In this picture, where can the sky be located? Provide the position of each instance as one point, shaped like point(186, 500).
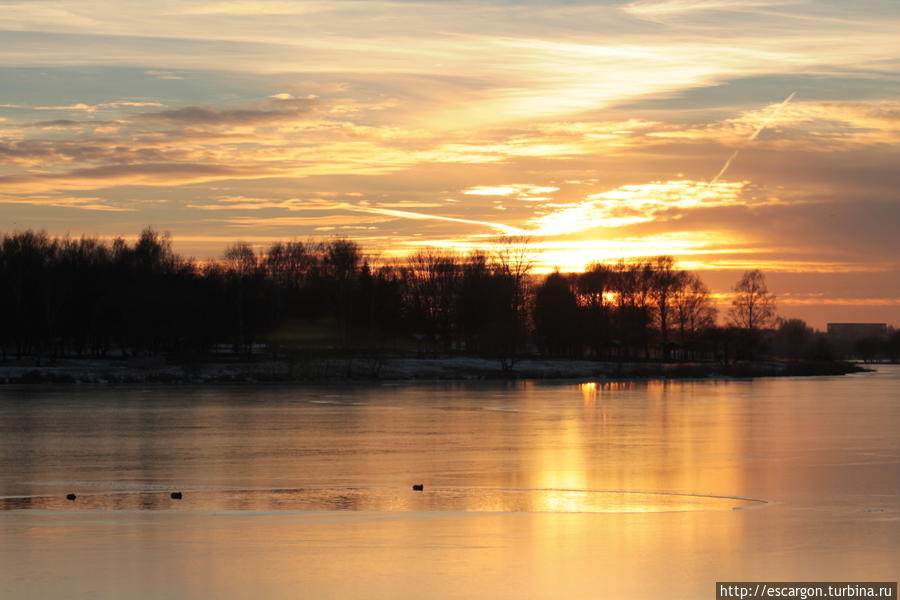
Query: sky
point(731, 134)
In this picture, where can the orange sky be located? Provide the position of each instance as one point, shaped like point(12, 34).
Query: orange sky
point(732, 134)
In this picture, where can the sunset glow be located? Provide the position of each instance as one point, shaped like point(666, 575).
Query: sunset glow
point(731, 134)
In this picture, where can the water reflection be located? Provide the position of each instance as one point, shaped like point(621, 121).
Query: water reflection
point(386, 499)
point(306, 492)
point(562, 446)
point(589, 393)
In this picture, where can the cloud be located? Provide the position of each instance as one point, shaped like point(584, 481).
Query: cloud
point(320, 221)
point(231, 203)
point(812, 126)
point(297, 138)
point(819, 299)
point(667, 8)
point(509, 190)
point(278, 110)
point(80, 203)
point(632, 204)
point(90, 108)
point(484, 63)
point(126, 174)
point(417, 216)
point(66, 123)
point(164, 75)
point(58, 123)
point(84, 150)
point(248, 8)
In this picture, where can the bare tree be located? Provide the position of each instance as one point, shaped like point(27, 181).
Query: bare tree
point(288, 262)
point(694, 310)
point(515, 255)
point(241, 268)
point(433, 278)
point(667, 280)
point(595, 290)
point(515, 258)
point(634, 281)
point(595, 284)
point(240, 259)
point(753, 306)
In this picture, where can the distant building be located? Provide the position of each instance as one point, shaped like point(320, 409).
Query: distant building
point(851, 332)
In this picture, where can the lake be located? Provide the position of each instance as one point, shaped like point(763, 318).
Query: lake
point(575, 490)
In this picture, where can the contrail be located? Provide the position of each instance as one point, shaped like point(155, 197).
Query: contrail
point(756, 133)
point(772, 116)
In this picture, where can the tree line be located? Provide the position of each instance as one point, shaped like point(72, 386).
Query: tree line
point(88, 297)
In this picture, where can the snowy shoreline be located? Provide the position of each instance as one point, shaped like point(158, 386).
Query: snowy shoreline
point(91, 371)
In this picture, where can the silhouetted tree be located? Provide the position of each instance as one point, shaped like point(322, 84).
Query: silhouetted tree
point(477, 307)
point(241, 271)
point(667, 281)
point(753, 306)
point(792, 338)
point(693, 308)
point(63, 296)
point(556, 316)
point(634, 310)
point(892, 347)
point(433, 278)
point(513, 261)
point(869, 349)
point(595, 288)
point(693, 311)
point(752, 310)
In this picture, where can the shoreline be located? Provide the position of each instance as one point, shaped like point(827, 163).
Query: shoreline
point(142, 372)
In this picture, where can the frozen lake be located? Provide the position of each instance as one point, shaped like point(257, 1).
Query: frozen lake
point(532, 489)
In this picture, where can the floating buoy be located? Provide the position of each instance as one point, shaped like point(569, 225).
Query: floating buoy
point(418, 487)
point(176, 495)
point(71, 496)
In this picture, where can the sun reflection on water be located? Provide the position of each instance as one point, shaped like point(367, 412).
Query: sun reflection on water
point(589, 393)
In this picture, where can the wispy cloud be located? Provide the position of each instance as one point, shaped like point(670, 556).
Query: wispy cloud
point(164, 75)
point(80, 203)
point(516, 189)
point(279, 109)
point(632, 204)
point(91, 108)
point(666, 8)
point(417, 216)
point(249, 8)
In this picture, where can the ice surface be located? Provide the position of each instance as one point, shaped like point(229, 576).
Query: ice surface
point(621, 490)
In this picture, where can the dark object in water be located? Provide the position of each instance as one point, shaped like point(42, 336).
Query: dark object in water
point(418, 487)
point(176, 495)
point(71, 496)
